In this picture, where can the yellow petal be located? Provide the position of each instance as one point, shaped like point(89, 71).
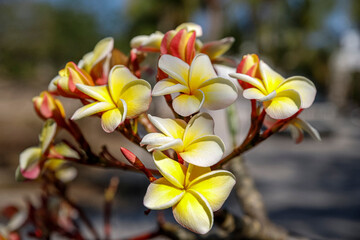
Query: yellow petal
point(215, 186)
point(100, 93)
point(186, 105)
point(119, 76)
point(47, 134)
point(199, 125)
point(204, 151)
point(65, 150)
point(175, 68)
point(91, 109)
point(303, 86)
point(270, 78)
point(173, 171)
point(101, 50)
point(201, 70)
point(194, 172)
point(254, 93)
point(252, 81)
point(137, 95)
point(111, 119)
point(284, 105)
point(194, 212)
point(219, 93)
point(161, 194)
point(170, 127)
point(168, 86)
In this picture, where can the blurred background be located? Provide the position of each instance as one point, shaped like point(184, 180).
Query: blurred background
point(312, 189)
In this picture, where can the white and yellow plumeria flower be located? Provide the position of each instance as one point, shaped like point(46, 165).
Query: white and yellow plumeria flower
point(281, 97)
point(195, 142)
point(124, 97)
point(193, 192)
point(197, 84)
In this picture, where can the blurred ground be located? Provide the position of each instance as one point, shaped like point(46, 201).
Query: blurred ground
point(312, 189)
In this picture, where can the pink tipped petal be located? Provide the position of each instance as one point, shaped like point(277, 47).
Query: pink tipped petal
point(168, 86)
point(100, 93)
point(186, 105)
point(303, 86)
point(297, 134)
point(219, 93)
point(110, 120)
point(201, 70)
point(31, 173)
point(161, 194)
point(204, 152)
point(200, 125)
point(91, 109)
point(175, 68)
point(137, 95)
point(29, 158)
point(171, 128)
point(308, 128)
point(173, 171)
point(286, 104)
point(215, 186)
point(194, 212)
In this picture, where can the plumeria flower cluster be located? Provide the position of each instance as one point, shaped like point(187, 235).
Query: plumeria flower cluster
point(47, 157)
point(186, 151)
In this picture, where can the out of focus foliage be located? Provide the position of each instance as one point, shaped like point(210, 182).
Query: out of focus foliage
point(298, 36)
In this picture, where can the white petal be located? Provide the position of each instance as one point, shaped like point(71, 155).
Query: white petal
point(204, 152)
point(175, 68)
point(303, 86)
point(168, 86)
point(219, 93)
point(91, 109)
point(199, 125)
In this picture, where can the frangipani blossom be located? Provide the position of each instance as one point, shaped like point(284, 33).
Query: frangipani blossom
point(195, 142)
point(197, 84)
point(281, 97)
point(46, 106)
point(297, 127)
point(68, 77)
point(194, 193)
point(124, 97)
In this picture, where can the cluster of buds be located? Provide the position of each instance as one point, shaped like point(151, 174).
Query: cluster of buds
point(187, 153)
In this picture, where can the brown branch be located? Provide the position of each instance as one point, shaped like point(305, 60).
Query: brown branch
point(109, 198)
